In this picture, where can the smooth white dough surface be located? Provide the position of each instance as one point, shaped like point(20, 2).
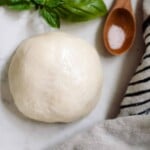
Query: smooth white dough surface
point(55, 77)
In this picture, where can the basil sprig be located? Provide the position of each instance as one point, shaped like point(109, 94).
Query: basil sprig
point(53, 10)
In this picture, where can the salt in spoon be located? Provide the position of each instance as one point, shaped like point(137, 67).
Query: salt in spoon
point(122, 16)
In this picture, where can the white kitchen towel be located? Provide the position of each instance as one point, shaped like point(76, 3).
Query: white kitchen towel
point(124, 133)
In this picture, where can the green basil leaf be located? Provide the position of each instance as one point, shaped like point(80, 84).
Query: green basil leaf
point(11, 2)
point(51, 10)
point(51, 17)
point(4, 2)
point(40, 2)
point(53, 3)
point(18, 4)
point(81, 10)
point(49, 3)
point(24, 6)
point(18, 1)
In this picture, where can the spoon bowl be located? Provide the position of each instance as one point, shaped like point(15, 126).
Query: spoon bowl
point(121, 15)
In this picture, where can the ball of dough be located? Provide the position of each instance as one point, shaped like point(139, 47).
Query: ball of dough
point(55, 77)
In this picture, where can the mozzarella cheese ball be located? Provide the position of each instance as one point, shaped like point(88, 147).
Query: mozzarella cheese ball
point(55, 77)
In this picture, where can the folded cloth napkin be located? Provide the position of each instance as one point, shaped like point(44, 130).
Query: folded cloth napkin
point(124, 133)
point(133, 131)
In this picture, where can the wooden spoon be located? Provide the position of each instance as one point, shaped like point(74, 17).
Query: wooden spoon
point(121, 15)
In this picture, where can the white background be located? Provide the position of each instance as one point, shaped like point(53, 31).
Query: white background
point(19, 133)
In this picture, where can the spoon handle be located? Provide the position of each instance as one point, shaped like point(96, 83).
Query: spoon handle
point(126, 4)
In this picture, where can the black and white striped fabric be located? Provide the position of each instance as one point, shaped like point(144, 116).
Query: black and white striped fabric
point(137, 98)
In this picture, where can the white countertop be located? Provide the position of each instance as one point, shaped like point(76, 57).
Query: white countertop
point(18, 133)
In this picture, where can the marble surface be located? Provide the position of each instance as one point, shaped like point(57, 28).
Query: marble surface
point(20, 133)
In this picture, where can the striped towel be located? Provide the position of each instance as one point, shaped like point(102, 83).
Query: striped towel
point(137, 98)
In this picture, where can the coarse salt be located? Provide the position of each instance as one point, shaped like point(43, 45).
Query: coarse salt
point(116, 37)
